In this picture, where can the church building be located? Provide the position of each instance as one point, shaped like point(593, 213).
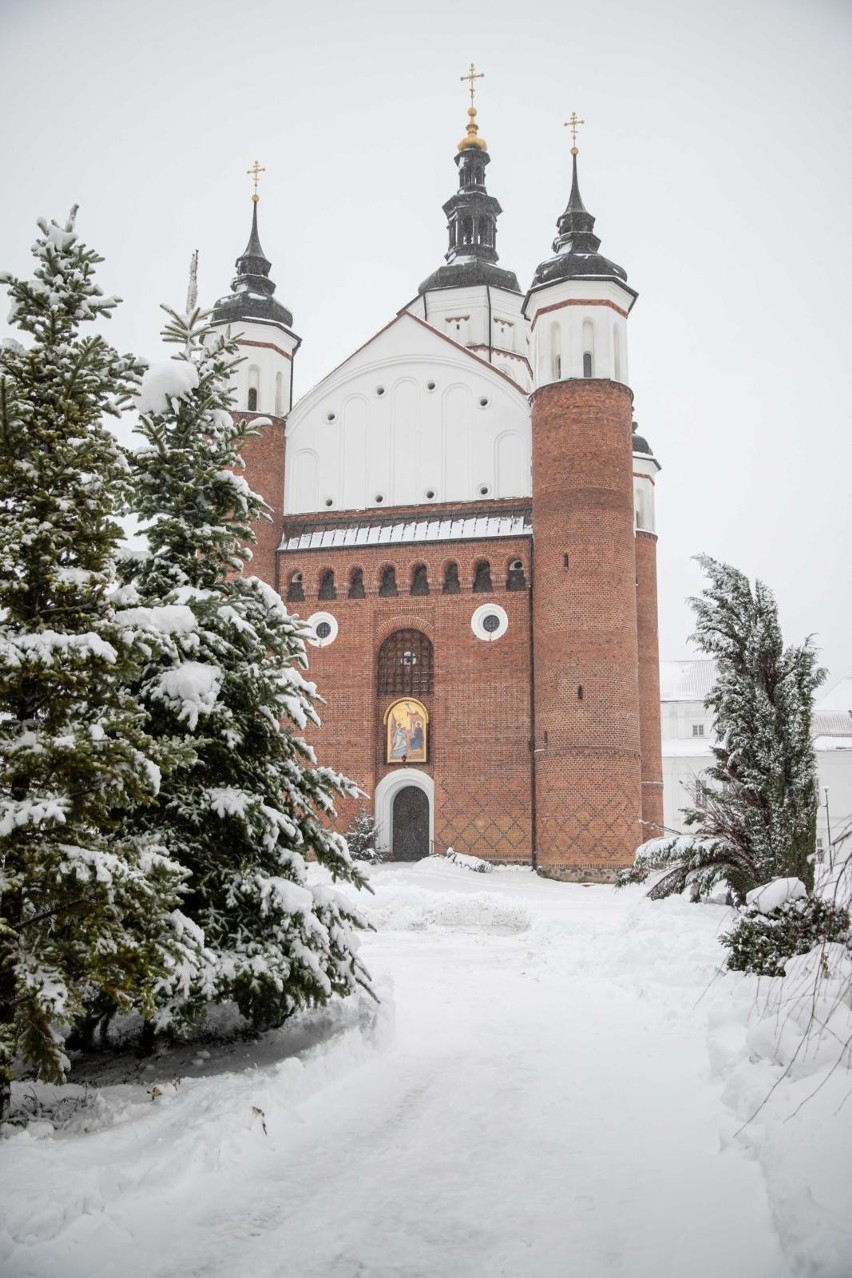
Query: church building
point(463, 514)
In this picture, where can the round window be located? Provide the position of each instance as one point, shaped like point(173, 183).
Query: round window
point(322, 629)
point(489, 622)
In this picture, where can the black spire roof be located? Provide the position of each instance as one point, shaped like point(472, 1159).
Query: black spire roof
point(641, 445)
point(472, 224)
point(576, 247)
point(251, 292)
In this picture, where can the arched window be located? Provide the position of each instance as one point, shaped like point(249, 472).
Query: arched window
point(451, 579)
point(253, 388)
point(555, 352)
point(405, 664)
point(327, 588)
point(588, 349)
point(419, 580)
point(295, 588)
point(616, 354)
point(279, 394)
point(482, 578)
point(356, 584)
point(387, 588)
point(515, 579)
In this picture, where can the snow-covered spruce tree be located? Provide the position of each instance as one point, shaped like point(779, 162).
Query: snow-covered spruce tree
point(86, 909)
point(244, 813)
point(755, 814)
point(361, 838)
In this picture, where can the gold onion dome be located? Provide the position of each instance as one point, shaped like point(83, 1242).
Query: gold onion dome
point(472, 138)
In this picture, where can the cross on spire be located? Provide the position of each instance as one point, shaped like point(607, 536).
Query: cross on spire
point(254, 173)
point(471, 77)
point(573, 124)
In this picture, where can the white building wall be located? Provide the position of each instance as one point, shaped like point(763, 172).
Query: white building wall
point(575, 317)
point(407, 421)
point(488, 320)
point(267, 367)
point(644, 470)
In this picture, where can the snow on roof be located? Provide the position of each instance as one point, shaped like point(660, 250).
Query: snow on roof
point(686, 680)
point(838, 699)
point(458, 528)
point(832, 725)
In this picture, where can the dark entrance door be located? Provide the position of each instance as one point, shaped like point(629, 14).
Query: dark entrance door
point(410, 821)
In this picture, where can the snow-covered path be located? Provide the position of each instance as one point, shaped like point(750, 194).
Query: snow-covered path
point(544, 1107)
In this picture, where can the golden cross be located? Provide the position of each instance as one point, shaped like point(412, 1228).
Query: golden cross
point(471, 76)
point(573, 124)
point(254, 173)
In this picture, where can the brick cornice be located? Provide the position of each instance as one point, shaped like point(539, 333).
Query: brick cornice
point(579, 301)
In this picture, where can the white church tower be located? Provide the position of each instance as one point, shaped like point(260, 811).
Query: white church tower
point(473, 300)
point(262, 382)
point(263, 328)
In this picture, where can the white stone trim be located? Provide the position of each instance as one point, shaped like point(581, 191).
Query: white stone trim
point(478, 619)
point(383, 799)
point(314, 620)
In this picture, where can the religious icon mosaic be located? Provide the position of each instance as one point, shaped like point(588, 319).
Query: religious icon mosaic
point(407, 732)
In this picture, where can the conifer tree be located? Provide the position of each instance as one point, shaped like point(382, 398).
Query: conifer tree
point(87, 911)
point(755, 815)
point(245, 811)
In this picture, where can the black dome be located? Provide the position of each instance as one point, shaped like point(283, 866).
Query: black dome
point(460, 274)
point(251, 292)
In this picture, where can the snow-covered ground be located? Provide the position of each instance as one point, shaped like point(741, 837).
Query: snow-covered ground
point(554, 1086)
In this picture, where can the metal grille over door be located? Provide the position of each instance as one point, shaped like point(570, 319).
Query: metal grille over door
point(410, 824)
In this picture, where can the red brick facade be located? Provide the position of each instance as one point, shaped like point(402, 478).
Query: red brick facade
point(588, 764)
point(575, 677)
point(479, 707)
point(650, 732)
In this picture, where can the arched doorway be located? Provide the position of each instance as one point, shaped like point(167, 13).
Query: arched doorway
point(402, 778)
point(410, 824)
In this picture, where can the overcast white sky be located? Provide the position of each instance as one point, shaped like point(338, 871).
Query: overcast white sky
point(716, 159)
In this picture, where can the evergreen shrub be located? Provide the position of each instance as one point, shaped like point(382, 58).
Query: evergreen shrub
point(762, 943)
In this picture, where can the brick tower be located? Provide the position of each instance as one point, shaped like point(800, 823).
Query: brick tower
point(263, 384)
point(587, 738)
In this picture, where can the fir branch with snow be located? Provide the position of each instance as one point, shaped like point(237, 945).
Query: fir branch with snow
point(88, 911)
point(755, 810)
point(248, 804)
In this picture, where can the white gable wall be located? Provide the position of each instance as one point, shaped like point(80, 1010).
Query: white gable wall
point(410, 419)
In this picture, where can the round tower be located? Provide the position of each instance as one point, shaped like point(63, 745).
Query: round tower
point(588, 767)
point(262, 383)
point(645, 469)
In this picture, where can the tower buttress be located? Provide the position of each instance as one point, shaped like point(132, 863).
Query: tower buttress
point(262, 384)
point(645, 469)
point(588, 763)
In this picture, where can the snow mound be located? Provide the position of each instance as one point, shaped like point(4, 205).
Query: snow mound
point(771, 896)
point(474, 863)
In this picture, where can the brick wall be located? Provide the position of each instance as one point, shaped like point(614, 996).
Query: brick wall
point(649, 685)
point(588, 767)
point(480, 704)
point(263, 455)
